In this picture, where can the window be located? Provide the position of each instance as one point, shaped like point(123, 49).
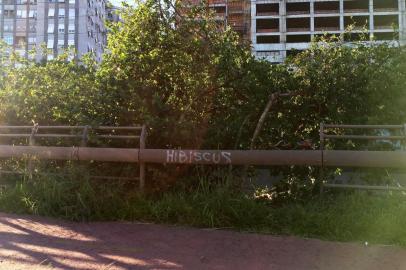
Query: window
point(61, 13)
point(61, 28)
point(32, 14)
point(21, 14)
point(72, 13)
point(32, 40)
point(51, 28)
point(9, 40)
point(51, 12)
point(72, 1)
point(8, 14)
point(50, 44)
point(71, 42)
point(61, 43)
point(71, 29)
point(8, 27)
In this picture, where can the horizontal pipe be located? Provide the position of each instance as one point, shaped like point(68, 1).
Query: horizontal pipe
point(70, 153)
point(365, 126)
point(236, 157)
point(61, 127)
point(333, 158)
point(345, 186)
point(365, 137)
point(118, 128)
point(16, 127)
point(15, 135)
point(38, 135)
point(118, 137)
point(101, 177)
point(368, 159)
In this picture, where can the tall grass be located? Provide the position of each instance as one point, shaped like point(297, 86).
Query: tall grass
point(356, 216)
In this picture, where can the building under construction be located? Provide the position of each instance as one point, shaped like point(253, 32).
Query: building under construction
point(235, 13)
point(278, 28)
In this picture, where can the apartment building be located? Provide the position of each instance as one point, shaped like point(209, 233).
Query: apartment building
point(59, 24)
point(283, 27)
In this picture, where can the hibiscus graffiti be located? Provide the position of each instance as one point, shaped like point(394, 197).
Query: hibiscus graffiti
point(215, 157)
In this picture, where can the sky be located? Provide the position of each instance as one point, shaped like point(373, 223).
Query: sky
point(118, 2)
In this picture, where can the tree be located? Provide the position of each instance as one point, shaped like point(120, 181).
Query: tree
point(172, 68)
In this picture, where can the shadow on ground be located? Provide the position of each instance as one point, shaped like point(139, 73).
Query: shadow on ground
point(27, 242)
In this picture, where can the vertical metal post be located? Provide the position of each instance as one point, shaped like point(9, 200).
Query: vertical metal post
point(142, 163)
point(31, 142)
point(404, 134)
point(85, 136)
point(321, 180)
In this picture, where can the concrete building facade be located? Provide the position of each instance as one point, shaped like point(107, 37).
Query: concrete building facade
point(59, 24)
point(283, 27)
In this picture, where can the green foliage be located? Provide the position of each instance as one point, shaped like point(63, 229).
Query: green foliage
point(341, 217)
point(55, 92)
point(171, 71)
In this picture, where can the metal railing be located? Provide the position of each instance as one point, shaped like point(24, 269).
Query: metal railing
point(84, 135)
point(320, 158)
point(366, 158)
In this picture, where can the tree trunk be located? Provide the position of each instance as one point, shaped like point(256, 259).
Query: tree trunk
point(271, 102)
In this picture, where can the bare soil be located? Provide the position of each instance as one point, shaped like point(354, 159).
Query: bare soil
point(37, 243)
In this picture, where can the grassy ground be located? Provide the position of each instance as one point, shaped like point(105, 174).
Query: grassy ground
point(373, 218)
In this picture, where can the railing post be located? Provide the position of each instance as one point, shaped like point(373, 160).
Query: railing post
point(404, 134)
point(142, 163)
point(31, 142)
point(85, 136)
point(321, 176)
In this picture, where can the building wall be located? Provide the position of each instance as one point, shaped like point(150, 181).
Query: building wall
point(59, 24)
point(235, 13)
point(283, 27)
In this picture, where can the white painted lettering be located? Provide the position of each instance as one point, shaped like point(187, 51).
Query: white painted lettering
point(206, 157)
point(182, 157)
point(226, 156)
point(198, 156)
point(170, 155)
point(216, 158)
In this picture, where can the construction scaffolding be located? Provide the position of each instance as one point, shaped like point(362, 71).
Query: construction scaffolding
point(235, 13)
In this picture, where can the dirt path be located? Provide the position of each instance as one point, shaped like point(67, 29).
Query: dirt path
point(39, 243)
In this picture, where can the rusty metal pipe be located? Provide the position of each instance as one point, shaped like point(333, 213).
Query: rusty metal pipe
point(368, 159)
point(364, 126)
point(333, 158)
point(235, 157)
